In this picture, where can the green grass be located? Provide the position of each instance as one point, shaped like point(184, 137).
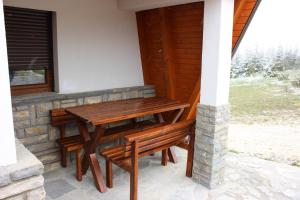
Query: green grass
point(296, 164)
point(263, 101)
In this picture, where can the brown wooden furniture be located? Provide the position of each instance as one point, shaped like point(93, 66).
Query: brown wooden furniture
point(101, 114)
point(59, 118)
point(145, 143)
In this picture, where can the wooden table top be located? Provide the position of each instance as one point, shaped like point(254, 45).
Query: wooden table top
point(107, 112)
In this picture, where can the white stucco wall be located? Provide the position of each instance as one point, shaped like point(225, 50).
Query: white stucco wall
point(7, 141)
point(138, 5)
point(97, 44)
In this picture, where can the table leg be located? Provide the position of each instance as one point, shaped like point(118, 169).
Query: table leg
point(97, 173)
point(90, 159)
point(86, 140)
point(171, 154)
point(177, 115)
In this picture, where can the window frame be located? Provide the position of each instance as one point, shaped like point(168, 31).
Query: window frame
point(48, 86)
point(35, 88)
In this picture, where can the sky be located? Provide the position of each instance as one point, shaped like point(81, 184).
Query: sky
point(276, 23)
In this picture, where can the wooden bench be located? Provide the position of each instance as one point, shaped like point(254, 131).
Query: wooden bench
point(145, 143)
point(59, 118)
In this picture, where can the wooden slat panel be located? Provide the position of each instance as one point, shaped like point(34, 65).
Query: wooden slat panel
point(151, 48)
point(186, 43)
point(151, 140)
point(243, 11)
point(187, 32)
point(180, 31)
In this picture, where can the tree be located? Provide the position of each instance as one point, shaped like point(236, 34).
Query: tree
point(236, 66)
point(269, 63)
point(277, 64)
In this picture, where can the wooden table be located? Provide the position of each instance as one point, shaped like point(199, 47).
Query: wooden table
point(101, 114)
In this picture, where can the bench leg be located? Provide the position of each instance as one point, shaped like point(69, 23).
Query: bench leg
point(190, 157)
point(133, 185)
point(164, 157)
point(64, 155)
point(109, 174)
point(78, 166)
point(134, 172)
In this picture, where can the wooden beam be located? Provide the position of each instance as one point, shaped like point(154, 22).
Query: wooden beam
point(242, 27)
point(190, 113)
point(168, 54)
point(143, 48)
point(238, 8)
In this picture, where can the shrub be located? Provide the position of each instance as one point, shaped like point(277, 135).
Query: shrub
point(296, 83)
point(282, 76)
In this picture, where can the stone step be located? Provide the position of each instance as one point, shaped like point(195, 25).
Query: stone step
point(36, 148)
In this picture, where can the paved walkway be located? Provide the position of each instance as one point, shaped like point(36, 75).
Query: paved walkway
point(271, 142)
point(245, 178)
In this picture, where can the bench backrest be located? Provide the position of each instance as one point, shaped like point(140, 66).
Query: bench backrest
point(158, 139)
point(59, 117)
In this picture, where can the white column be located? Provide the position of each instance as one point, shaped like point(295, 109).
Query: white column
point(212, 113)
point(7, 136)
point(216, 53)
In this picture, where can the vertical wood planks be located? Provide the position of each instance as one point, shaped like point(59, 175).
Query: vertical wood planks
point(171, 48)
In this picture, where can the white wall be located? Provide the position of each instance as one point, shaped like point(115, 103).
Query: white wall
point(216, 53)
point(7, 136)
point(97, 44)
point(138, 5)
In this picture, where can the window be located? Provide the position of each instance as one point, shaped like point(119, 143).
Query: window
point(29, 49)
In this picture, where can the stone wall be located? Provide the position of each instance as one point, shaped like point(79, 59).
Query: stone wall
point(24, 179)
point(210, 145)
point(32, 120)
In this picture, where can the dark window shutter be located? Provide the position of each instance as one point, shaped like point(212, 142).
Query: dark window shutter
point(29, 38)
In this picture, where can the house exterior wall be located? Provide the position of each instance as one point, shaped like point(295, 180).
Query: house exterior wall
point(7, 142)
point(32, 119)
point(96, 44)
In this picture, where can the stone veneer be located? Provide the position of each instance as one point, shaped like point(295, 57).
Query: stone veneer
point(32, 120)
point(23, 180)
point(210, 145)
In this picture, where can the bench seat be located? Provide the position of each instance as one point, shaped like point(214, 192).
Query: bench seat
point(147, 142)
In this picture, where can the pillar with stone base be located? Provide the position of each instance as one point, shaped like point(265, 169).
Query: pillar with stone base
point(210, 144)
point(213, 111)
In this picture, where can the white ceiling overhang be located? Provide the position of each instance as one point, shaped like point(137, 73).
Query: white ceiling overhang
point(138, 5)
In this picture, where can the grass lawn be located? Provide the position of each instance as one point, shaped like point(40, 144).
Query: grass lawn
point(263, 101)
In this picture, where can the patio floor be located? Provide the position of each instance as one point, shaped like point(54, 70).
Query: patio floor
point(245, 178)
